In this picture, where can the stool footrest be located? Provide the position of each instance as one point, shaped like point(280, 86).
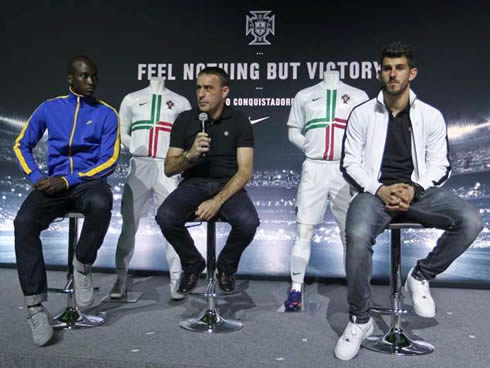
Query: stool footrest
point(214, 294)
point(60, 291)
point(392, 311)
point(395, 342)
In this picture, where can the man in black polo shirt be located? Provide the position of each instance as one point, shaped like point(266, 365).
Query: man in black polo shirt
point(215, 165)
point(395, 156)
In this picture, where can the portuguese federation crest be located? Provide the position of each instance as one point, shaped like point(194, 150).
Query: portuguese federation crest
point(345, 98)
point(260, 25)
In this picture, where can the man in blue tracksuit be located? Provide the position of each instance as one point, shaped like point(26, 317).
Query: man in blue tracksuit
point(83, 147)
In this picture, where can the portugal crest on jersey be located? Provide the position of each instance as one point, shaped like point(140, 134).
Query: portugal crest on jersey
point(260, 25)
point(345, 98)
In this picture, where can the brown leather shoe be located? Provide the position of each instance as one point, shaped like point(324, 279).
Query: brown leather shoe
point(188, 280)
point(226, 281)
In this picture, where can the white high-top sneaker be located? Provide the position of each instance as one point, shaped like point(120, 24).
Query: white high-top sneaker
point(38, 319)
point(84, 287)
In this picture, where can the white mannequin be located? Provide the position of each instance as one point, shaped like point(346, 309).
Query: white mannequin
point(146, 167)
point(302, 249)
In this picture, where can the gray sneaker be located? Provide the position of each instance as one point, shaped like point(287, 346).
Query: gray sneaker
point(84, 288)
point(174, 286)
point(118, 291)
point(38, 319)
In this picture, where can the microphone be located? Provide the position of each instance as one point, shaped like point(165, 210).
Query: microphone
point(203, 117)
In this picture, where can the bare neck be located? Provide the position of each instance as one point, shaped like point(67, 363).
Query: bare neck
point(398, 102)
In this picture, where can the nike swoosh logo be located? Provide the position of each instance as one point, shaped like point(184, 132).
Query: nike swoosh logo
point(257, 120)
point(297, 273)
point(315, 99)
point(144, 103)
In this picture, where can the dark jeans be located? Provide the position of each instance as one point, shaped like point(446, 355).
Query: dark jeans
point(93, 199)
point(367, 218)
point(179, 207)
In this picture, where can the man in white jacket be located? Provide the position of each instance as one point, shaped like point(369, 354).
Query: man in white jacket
point(395, 155)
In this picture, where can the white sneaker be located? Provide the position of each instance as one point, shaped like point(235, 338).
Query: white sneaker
point(39, 320)
point(84, 288)
point(174, 286)
point(118, 291)
point(354, 334)
point(422, 301)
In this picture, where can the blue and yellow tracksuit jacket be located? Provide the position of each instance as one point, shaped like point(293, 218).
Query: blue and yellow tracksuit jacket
point(83, 139)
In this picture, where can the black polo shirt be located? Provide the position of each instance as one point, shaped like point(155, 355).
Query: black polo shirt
point(397, 165)
point(230, 131)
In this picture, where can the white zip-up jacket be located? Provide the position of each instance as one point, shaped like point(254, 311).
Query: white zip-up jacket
point(365, 138)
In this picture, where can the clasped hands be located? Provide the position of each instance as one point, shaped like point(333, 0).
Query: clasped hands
point(396, 197)
point(51, 185)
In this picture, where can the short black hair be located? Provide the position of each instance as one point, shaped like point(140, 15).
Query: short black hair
point(220, 73)
point(398, 49)
point(70, 66)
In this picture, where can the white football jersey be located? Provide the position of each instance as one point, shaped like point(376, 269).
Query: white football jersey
point(147, 119)
point(322, 115)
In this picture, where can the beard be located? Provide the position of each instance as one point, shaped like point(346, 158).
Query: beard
point(396, 89)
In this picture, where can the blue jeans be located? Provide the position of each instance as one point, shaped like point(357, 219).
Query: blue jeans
point(179, 207)
point(367, 218)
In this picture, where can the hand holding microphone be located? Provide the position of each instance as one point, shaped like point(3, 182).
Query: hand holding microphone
point(200, 147)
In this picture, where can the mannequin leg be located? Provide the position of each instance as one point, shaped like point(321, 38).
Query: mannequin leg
point(126, 243)
point(161, 190)
point(300, 255)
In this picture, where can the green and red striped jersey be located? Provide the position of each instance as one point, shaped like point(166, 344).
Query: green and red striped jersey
point(322, 115)
point(147, 119)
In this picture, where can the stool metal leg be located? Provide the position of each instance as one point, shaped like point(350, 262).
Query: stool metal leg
point(209, 320)
point(395, 341)
point(71, 317)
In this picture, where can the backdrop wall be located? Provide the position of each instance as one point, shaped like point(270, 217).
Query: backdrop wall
point(131, 40)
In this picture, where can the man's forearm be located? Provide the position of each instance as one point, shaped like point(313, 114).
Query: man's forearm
point(176, 164)
point(237, 182)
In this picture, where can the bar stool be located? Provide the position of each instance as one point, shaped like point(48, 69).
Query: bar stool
point(71, 317)
point(395, 341)
point(209, 320)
